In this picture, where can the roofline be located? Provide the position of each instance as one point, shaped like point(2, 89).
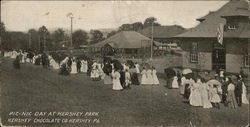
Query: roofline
point(235, 16)
point(216, 37)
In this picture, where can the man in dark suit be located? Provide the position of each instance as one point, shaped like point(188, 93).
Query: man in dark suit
point(78, 65)
point(238, 90)
point(44, 60)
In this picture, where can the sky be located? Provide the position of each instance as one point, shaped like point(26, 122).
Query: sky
point(24, 15)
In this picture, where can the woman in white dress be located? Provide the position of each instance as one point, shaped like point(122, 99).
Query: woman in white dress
point(149, 77)
point(6, 54)
point(143, 78)
point(127, 79)
point(182, 86)
point(204, 88)
point(73, 67)
point(175, 83)
point(244, 94)
point(34, 59)
point(231, 99)
point(116, 80)
point(100, 71)
point(96, 73)
point(93, 71)
point(23, 57)
point(195, 95)
point(214, 96)
point(155, 78)
point(137, 67)
point(54, 64)
point(84, 66)
point(13, 54)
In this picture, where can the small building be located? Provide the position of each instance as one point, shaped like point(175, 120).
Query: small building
point(129, 43)
point(201, 47)
point(164, 35)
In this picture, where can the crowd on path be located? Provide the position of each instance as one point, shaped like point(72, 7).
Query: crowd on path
point(111, 71)
point(197, 90)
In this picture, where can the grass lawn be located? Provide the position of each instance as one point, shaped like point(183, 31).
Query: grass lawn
point(34, 89)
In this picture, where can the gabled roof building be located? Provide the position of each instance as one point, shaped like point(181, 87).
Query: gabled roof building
point(202, 49)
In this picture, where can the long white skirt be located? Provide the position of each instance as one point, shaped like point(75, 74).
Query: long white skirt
point(143, 79)
point(155, 79)
point(149, 80)
point(117, 84)
point(84, 67)
point(73, 69)
point(56, 66)
point(244, 95)
point(175, 84)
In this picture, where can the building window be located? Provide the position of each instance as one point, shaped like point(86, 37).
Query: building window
point(247, 60)
point(231, 26)
point(194, 53)
point(193, 57)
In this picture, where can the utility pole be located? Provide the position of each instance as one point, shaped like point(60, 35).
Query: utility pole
point(39, 43)
point(44, 42)
point(71, 39)
point(152, 41)
point(29, 40)
point(70, 15)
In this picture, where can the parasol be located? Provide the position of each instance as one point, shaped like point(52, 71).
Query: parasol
point(170, 72)
point(205, 76)
point(214, 82)
point(186, 71)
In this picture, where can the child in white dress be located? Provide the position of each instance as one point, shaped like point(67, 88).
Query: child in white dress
point(155, 78)
point(214, 96)
point(175, 83)
point(127, 79)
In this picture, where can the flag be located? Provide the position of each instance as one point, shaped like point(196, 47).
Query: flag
point(47, 13)
point(220, 32)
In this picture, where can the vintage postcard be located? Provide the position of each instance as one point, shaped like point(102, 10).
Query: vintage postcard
point(125, 63)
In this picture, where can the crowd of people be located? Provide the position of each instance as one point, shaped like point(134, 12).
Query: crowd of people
point(111, 71)
point(197, 90)
point(208, 92)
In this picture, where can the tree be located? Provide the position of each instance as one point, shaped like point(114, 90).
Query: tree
point(126, 27)
point(79, 37)
point(43, 37)
point(131, 27)
point(2, 28)
point(58, 37)
point(137, 26)
point(34, 39)
point(111, 33)
point(96, 36)
point(4, 38)
point(149, 21)
point(18, 40)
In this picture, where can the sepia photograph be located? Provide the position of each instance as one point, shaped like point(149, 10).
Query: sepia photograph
point(125, 63)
